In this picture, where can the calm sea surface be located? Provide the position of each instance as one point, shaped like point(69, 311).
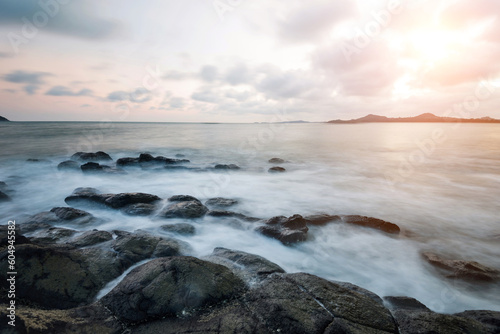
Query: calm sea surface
point(439, 182)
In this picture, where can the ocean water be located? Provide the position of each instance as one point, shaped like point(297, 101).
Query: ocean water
point(439, 182)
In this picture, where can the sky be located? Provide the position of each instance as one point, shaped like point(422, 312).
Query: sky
point(247, 61)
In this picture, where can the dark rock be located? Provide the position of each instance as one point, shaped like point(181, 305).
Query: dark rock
point(3, 185)
point(224, 213)
point(373, 296)
point(243, 264)
point(127, 162)
point(66, 213)
point(169, 161)
point(32, 227)
point(121, 200)
point(287, 230)
point(90, 238)
point(276, 169)
point(179, 155)
point(53, 235)
point(413, 317)
point(464, 270)
point(91, 157)
point(146, 159)
point(37, 160)
point(490, 319)
point(45, 217)
point(188, 209)
point(276, 161)
point(86, 196)
point(321, 219)
point(61, 278)
point(171, 247)
point(181, 168)
point(181, 228)
point(91, 167)
point(183, 198)
point(226, 167)
point(374, 223)
point(139, 209)
point(221, 202)
point(167, 287)
point(69, 165)
point(4, 236)
point(4, 197)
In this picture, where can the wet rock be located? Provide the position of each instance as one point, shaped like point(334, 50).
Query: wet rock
point(232, 214)
point(92, 167)
point(321, 219)
point(86, 196)
point(413, 317)
point(61, 278)
point(276, 169)
point(3, 185)
point(53, 235)
point(490, 319)
point(91, 157)
point(374, 223)
point(183, 198)
point(45, 217)
point(220, 202)
point(464, 270)
point(187, 209)
point(226, 167)
point(69, 165)
point(276, 161)
point(32, 227)
point(121, 200)
point(139, 209)
point(4, 236)
point(181, 228)
point(37, 160)
point(57, 215)
point(127, 161)
point(245, 265)
point(167, 287)
point(146, 159)
point(66, 213)
point(287, 230)
point(90, 238)
point(4, 197)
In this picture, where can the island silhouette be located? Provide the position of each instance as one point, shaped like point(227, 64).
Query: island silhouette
point(423, 118)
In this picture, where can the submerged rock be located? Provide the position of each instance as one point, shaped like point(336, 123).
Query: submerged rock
point(321, 219)
point(226, 167)
point(169, 287)
point(146, 159)
point(139, 209)
point(287, 230)
point(370, 222)
point(464, 270)
point(69, 165)
point(4, 197)
point(276, 161)
point(181, 228)
point(91, 157)
point(276, 169)
point(185, 209)
point(220, 202)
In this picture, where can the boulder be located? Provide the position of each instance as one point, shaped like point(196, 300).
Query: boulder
point(276, 169)
point(66, 213)
point(169, 287)
point(91, 157)
point(91, 238)
point(231, 214)
point(92, 167)
point(321, 219)
point(490, 319)
point(183, 198)
point(69, 165)
point(413, 317)
point(139, 209)
point(180, 228)
point(4, 237)
point(226, 167)
point(86, 196)
point(276, 161)
point(4, 197)
point(61, 278)
point(146, 159)
point(121, 200)
point(374, 223)
point(220, 202)
point(464, 270)
point(52, 235)
point(186, 209)
point(287, 230)
point(57, 215)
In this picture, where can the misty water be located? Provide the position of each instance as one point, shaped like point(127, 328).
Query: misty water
point(439, 182)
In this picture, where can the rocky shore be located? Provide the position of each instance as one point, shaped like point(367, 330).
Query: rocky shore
point(74, 278)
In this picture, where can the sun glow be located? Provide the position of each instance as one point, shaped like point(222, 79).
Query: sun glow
point(433, 45)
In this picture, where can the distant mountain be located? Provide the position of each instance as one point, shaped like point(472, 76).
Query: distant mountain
point(3, 119)
point(424, 118)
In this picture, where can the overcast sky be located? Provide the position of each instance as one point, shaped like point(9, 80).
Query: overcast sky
point(245, 60)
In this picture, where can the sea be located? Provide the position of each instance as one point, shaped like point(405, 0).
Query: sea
point(439, 182)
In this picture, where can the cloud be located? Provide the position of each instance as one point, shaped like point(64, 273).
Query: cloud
point(238, 74)
point(140, 95)
point(209, 73)
point(205, 94)
point(86, 105)
point(280, 84)
point(177, 102)
point(177, 75)
point(33, 79)
point(238, 96)
point(65, 91)
point(76, 18)
point(118, 96)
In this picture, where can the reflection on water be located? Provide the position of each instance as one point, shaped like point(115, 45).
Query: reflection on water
point(440, 183)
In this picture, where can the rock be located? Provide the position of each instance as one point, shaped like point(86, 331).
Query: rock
point(232, 214)
point(181, 228)
point(287, 230)
point(57, 215)
point(464, 270)
point(66, 213)
point(221, 202)
point(188, 209)
point(90, 238)
point(169, 287)
point(61, 278)
point(45, 217)
point(321, 219)
point(245, 265)
point(490, 319)
point(226, 167)
point(139, 209)
point(127, 162)
point(374, 223)
point(4, 197)
point(146, 159)
point(86, 196)
point(53, 235)
point(37, 160)
point(69, 165)
point(413, 317)
point(92, 167)
point(276, 169)
point(276, 161)
point(183, 198)
point(4, 236)
point(121, 200)
point(3, 185)
point(91, 157)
